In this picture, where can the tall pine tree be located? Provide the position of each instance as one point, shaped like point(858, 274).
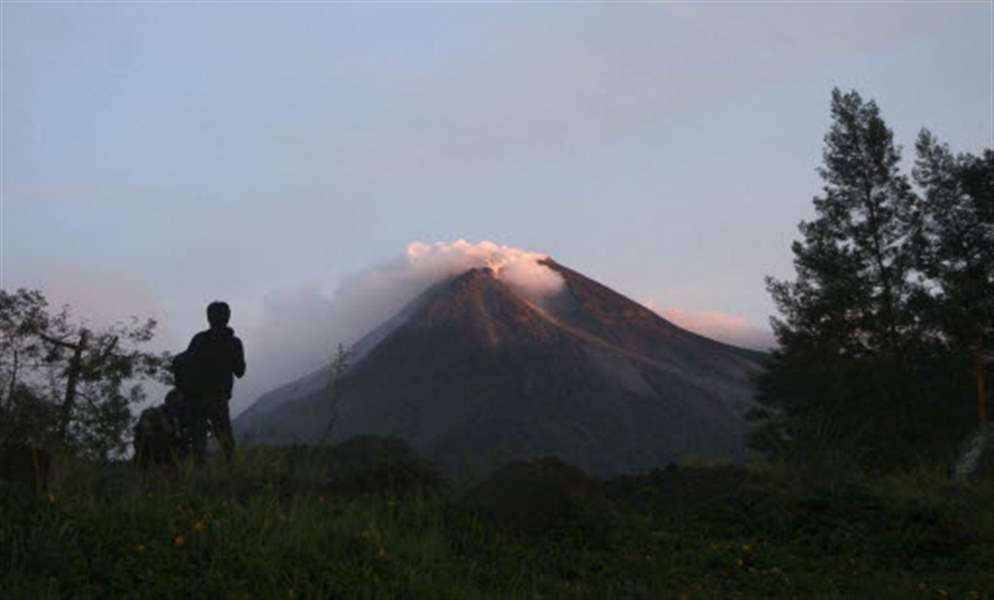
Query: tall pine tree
point(842, 373)
point(955, 250)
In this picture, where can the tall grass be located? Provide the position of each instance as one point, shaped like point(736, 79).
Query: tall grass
point(260, 527)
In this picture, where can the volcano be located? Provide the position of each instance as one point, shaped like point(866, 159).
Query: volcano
point(474, 373)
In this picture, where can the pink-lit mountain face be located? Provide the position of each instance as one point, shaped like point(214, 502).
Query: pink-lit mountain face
point(473, 375)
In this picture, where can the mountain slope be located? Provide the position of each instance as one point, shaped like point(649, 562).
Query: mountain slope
point(474, 374)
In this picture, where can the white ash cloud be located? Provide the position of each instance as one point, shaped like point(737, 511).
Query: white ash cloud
point(519, 268)
point(296, 332)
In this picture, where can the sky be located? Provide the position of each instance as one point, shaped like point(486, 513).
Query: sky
point(157, 156)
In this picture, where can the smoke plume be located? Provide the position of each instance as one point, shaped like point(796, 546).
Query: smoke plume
point(297, 331)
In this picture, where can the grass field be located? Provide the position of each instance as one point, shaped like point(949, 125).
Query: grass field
point(264, 527)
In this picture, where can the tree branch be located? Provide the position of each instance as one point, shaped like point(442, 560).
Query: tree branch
point(57, 341)
point(105, 354)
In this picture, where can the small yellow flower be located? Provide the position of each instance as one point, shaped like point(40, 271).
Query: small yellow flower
point(198, 526)
point(179, 540)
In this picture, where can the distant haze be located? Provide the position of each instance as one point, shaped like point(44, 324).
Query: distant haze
point(157, 156)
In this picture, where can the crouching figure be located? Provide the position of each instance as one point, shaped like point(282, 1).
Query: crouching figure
point(162, 434)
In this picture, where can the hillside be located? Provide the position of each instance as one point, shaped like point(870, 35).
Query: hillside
point(473, 374)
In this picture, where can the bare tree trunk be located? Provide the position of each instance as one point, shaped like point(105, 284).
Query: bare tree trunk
point(979, 367)
point(13, 383)
point(72, 378)
point(338, 368)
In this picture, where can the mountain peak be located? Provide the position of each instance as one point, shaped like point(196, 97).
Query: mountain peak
point(476, 371)
point(478, 304)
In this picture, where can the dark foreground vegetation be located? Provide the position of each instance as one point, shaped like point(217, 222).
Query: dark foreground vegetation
point(283, 523)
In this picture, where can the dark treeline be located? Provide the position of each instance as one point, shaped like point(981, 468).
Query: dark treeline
point(886, 329)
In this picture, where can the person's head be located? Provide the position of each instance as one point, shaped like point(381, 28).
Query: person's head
point(218, 313)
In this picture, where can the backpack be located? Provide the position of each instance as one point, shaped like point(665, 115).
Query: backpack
point(161, 431)
point(182, 371)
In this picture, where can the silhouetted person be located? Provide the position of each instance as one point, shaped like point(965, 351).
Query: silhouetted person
point(212, 359)
point(162, 433)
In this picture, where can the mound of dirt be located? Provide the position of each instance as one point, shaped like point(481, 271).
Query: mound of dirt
point(366, 464)
point(674, 489)
point(542, 494)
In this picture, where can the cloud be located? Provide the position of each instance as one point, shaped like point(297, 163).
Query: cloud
point(561, 78)
point(295, 332)
point(518, 268)
point(731, 329)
